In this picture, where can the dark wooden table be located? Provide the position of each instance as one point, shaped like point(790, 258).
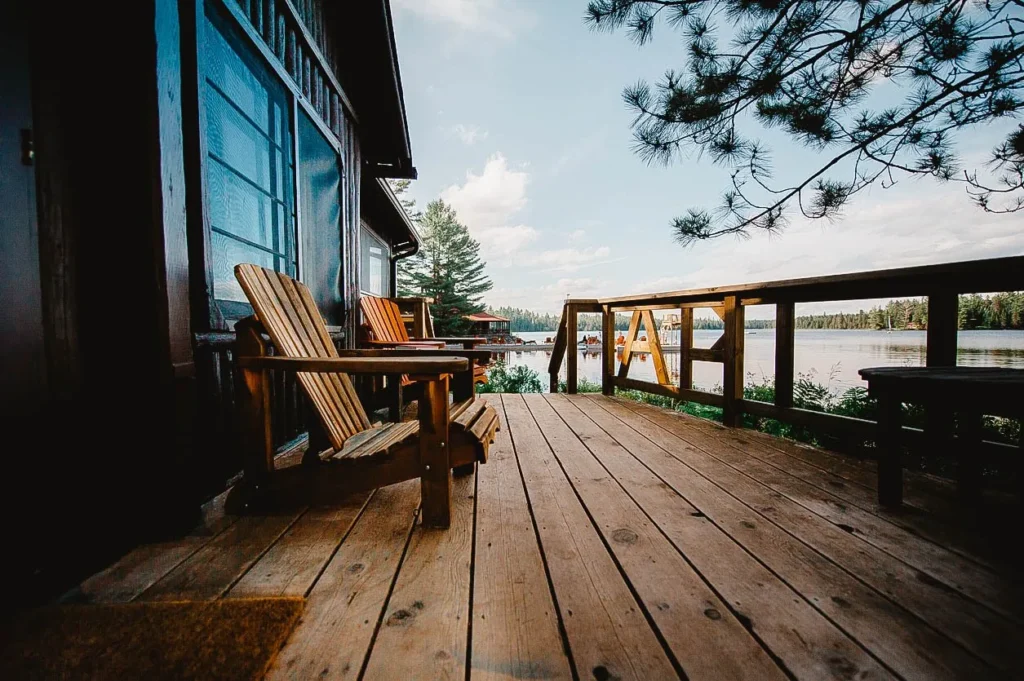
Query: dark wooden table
point(970, 392)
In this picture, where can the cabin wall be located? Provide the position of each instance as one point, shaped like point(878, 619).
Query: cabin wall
point(289, 45)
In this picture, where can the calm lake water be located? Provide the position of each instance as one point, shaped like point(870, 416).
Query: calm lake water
point(831, 357)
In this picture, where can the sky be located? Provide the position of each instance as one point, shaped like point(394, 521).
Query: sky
point(517, 120)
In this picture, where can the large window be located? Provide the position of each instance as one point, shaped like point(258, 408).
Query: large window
point(249, 167)
point(375, 270)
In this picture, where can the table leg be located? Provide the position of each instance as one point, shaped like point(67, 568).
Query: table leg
point(890, 466)
point(969, 458)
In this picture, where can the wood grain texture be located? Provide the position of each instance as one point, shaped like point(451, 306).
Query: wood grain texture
point(515, 625)
point(987, 634)
point(705, 637)
point(347, 600)
point(605, 626)
point(425, 630)
point(899, 639)
point(292, 565)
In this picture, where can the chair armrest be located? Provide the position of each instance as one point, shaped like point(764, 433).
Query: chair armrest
point(386, 364)
point(431, 343)
point(467, 342)
point(479, 356)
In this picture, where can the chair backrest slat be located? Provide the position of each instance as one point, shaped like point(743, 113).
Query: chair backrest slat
point(287, 310)
point(384, 318)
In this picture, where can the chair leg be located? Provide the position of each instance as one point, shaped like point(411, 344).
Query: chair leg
point(435, 454)
point(395, 398)
point(253, 390)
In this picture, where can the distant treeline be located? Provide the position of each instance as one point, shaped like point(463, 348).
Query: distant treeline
point(999, 311)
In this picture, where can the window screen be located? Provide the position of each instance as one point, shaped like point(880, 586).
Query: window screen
point(320, 196)
point(374, 270)
point(249, 169)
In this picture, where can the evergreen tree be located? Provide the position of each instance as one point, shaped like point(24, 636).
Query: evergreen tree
point(447, 268)
point(823, 72)
point(401, 188)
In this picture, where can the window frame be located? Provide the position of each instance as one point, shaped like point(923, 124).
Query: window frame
point(207, 311)
point(385, 270)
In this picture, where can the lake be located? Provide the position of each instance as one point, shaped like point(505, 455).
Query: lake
point(828, 357)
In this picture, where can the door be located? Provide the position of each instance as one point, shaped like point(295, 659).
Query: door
point(23, 360)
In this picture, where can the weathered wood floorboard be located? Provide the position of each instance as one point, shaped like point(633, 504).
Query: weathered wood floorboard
point(333, 637)
point(608, 634)
point(845, 506)
point(708, 640)
point(611, 539)
point(515, 626)
point(425, 631)
point(899, 639)
point(209, 572)
point(989, 635)
point(294, 562)
point(808, 644)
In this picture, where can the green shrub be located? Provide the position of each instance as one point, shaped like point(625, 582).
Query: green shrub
point(501, 378)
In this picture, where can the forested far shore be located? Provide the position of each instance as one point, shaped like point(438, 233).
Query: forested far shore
point(1000, 311)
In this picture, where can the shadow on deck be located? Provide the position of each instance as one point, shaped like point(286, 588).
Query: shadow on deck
point(617, 541)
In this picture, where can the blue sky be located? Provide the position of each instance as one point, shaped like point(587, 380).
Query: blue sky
point(517, 120)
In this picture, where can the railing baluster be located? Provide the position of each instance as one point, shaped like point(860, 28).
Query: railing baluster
point(571, 348)
point(608, 350)
point(940, 338)
point(685, 345)
point(732, 383)
point(785, 341)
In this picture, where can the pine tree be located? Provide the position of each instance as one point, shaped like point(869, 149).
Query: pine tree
point(400, 188)
point(447, 268)
point(815, 69)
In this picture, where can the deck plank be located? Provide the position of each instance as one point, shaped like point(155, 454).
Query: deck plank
point(294, 562)
point(899, 639)
point(333, 637)
point(809, 645)
point(982, 631)
point(515, 625)
point(707, 639)
point(606, 629)
point(930, 505)
point(845, 506)
point(145, 565)
point(209, 572)
point(424, 634)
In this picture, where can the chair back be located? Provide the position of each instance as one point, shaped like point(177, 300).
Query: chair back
point(288, 312)
point(384, 319)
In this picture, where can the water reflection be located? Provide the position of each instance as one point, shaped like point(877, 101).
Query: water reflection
point(827, 356)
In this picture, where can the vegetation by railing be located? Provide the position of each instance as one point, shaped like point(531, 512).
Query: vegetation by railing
point(940, 285)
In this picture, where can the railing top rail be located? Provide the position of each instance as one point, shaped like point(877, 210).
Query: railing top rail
point(974, 276)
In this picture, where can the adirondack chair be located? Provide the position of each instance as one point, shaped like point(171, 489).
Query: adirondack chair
point(383, 328)
point(360, 455)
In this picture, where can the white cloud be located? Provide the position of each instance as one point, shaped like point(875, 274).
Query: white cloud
point(570, 259)
point(469, 134)
point(576, 235)
point(490, 17)
point(486, 204)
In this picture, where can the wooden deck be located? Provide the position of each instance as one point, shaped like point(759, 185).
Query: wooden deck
point(607, 539)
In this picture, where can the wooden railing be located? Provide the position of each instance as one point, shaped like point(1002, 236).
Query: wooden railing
point(940, 284)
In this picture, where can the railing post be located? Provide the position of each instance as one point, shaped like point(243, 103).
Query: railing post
point(943, 322)
point(571, 348)
point(685, 344)
point(733, 368)
point(608, 350)
point(785, 327)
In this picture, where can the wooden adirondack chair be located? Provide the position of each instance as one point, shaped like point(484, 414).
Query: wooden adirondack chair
point(384, 328)
point(361, 456)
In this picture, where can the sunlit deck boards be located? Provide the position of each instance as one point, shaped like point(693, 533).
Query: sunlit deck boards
point(620, 541)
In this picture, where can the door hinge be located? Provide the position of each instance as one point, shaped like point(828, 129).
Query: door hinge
point(28, 152)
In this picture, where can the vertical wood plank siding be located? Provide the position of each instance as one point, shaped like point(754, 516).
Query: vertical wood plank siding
point(296, 31)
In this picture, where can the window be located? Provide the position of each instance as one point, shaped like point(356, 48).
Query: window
point(374, 269)
point(249, 166)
